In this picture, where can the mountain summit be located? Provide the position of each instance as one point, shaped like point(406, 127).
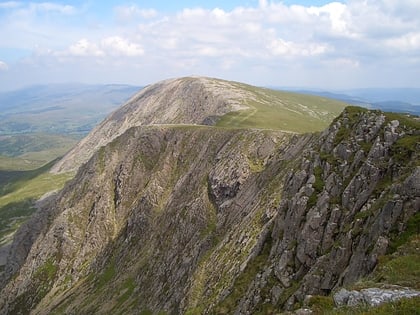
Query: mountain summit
point(168, 217)
point(207, 101)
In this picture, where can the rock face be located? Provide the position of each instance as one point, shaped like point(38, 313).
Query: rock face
point(204, 220)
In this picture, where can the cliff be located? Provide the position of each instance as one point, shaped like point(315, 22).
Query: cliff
point(203, 220)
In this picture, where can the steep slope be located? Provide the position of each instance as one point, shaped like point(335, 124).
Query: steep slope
point(207, 101)
point(195, 219)
point(144, 211)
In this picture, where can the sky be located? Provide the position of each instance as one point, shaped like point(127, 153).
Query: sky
point(308, 44)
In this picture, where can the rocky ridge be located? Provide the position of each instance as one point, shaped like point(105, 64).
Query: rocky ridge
point(194, 100)
point(206, 101)
point(203, 220)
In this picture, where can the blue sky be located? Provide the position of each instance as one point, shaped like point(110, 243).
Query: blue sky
point(318, 44)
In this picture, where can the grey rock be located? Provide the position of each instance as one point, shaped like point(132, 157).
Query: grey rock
point(372, 296)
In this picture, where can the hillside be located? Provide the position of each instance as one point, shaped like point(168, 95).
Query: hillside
point(207, 101)
point(170, 217)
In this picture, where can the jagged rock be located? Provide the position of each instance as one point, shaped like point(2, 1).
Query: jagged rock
point(372, 296)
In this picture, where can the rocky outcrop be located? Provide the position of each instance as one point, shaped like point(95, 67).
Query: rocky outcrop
point(354, 188)
point(372, 296)
point(203, 220)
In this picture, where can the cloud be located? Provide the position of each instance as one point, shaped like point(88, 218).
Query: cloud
point(281, 47)
point(408, 42)
point(113, 46)
point(127, 13)
point(3, 66)
point(52, 7)
point(264, 40)
point(117, 46)
point(84, 48)
point(10, 5)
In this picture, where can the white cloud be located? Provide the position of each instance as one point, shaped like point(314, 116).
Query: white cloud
point(117, 46)
point(10, 5)
point(407, 42)
point(281, 47)
point(3, 66)
point(353, 34)
point(125, 13)
point(112, 46)
point(52, 7)
point(84, 48)
point(346, 62)
point(335, 14)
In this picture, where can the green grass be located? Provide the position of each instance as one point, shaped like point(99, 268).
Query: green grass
point(271, 109)
point(227, 306)
point(25, 160)
point(107, 275)
point(320, 304)
point(8, 163)
point(404, 148)
point(37, 147)
point(406, 121)
point(18, 192)
point(412, 230)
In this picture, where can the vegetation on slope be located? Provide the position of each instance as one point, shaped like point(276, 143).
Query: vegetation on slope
point(272, 109)
point(31, 151)
point(18, 192)
point(25, 160)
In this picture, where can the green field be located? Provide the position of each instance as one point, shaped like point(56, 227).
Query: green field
point(18, 192)
point(25, 162)
point(30, 151)
point(273, 109)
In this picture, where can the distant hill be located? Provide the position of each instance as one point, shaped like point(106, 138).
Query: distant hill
point(392, 100)
point(62, 109)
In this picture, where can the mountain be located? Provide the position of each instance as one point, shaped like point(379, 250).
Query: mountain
point(406, 95)
point(207, 101)
point(65, 108)
point(168, 217)
point(392, 100)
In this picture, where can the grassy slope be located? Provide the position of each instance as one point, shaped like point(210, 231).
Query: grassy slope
point(271, 109)
point(30, 151)
point(19, 193)
point(25, 161)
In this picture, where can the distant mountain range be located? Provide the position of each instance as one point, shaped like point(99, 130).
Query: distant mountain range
point(64, 108)
point(77, 108)
point(400, 100)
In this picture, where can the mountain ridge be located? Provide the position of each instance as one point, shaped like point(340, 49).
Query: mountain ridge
point(219, 220)
point(203, 101)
